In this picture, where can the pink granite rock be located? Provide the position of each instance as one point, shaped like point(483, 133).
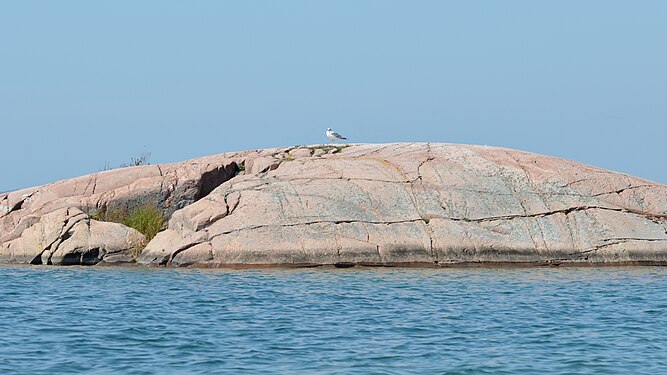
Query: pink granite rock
point(386, 204)
point(420, 204)
point(68, 236)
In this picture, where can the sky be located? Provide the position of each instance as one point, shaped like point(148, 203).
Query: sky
point(84, 84)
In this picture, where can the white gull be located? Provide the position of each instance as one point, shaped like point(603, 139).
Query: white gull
point(333, 136)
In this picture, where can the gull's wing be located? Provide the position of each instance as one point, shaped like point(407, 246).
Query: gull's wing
point(337, 135)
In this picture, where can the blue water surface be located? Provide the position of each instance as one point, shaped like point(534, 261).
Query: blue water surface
point(322, 321)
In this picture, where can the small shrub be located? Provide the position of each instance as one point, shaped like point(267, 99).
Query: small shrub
point(141, 160)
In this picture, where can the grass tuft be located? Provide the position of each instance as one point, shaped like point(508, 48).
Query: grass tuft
point(147, 219)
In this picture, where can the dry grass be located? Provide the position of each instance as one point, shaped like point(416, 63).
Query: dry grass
point(147, 219)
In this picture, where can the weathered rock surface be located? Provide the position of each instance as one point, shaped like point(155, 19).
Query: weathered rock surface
point(67, 236)
point(419, 203)
point(411, 203)
point(26, 214)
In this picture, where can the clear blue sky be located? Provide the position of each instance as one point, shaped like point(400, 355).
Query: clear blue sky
point(88, 82)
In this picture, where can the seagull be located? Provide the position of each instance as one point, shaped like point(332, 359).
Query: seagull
point(333, 136)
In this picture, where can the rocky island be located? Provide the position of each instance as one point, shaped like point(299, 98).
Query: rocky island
point(426, 204)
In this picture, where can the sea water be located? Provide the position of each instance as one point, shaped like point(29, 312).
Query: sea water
point(361, 320)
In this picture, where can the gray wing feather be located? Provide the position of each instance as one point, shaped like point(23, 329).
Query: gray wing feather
point(337, 135)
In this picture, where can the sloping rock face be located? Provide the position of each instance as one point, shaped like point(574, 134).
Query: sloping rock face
point(388, 204)
point(433, 204)
point(51, 224)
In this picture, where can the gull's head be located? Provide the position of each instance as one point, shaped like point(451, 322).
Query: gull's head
point(328, 129)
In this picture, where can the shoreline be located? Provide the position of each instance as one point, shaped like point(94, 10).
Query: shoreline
point(397, 265)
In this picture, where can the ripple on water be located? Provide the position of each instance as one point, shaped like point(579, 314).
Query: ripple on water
point(100, 320)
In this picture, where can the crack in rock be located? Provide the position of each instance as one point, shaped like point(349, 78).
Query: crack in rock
point(541, 214)
point(619, 191)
